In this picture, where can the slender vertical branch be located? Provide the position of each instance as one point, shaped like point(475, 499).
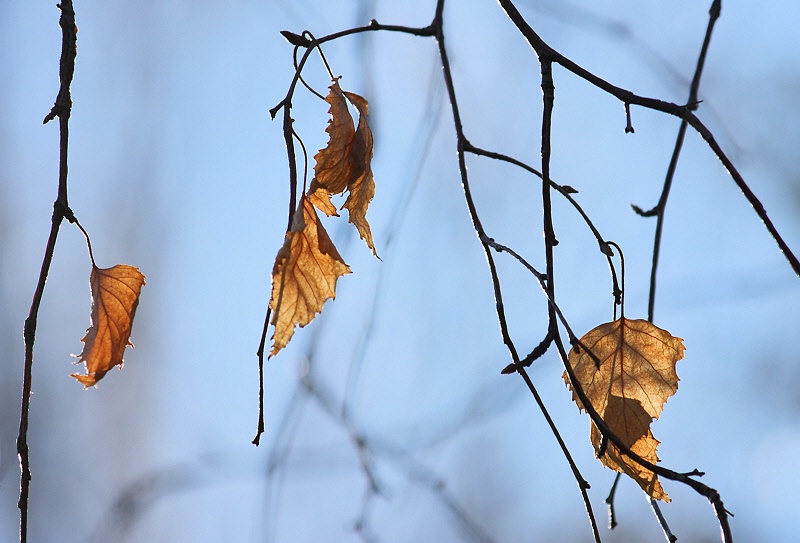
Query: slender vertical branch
point(659, 211)
point(61, 109)
point(260, 354)
point(550, 241)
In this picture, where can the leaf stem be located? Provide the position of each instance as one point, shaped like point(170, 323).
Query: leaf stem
point(305, 159)
point(621, 297)
point(318, 47)
point(88, 241)
point(303, 81)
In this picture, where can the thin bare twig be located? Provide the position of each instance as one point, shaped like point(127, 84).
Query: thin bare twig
point(659, 210)
point(260, 354)
point(612, 515)
point(671, 538)
point(61, 109)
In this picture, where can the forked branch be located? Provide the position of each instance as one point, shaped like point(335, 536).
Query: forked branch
point(556, 320)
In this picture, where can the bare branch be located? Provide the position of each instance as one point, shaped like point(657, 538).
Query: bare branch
point(61, 109)
point(546, 53)
point(660, 209)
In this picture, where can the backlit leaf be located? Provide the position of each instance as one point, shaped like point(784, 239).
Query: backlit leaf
point(115, 296)
point(304, 275)
point(345, 163)
point(628, 389)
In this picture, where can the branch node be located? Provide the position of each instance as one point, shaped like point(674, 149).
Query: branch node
point(274, 111)
point(535, 354)
point(629, 125)
point(649, 213)
point(692, 106)
point(601, 451)
point(695, 473)
point(61, 108)
point(567, 189)
point(62, 209)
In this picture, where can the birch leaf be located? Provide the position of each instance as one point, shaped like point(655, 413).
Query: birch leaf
point(115, 296)
point(345, 163)
point(628, 389)
point(304, 275)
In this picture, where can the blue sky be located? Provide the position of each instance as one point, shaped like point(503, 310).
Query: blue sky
point(175, 167)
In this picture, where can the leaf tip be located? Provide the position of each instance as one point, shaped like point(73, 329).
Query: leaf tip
point(89, 380)
point(115, 297)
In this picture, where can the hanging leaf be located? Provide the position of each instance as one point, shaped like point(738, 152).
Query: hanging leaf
point(628, 389)
point(345, 163)
point(115, 296)
point(304, 275)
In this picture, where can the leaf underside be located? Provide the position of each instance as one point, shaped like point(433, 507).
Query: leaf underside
point(345, 163)
point(628, 389)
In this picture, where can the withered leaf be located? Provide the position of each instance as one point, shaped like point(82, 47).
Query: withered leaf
point(628, 389)
point(345, 163)
point(115, 296)
point(304, 275)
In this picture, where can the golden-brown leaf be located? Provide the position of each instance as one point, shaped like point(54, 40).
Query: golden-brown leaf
point(635, 377)
point(304, 275)
point(345, 163)
point(115, 296)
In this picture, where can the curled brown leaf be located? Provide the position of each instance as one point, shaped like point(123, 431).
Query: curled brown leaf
point(115, 297)
point(345, 163)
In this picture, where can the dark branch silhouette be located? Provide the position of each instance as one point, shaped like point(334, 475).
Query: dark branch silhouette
point(61, 109)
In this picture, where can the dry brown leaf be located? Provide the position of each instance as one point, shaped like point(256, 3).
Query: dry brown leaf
point(337, 164)
point(115, 296)
point(345, 163)
point(304, 275)
point(635, 378)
